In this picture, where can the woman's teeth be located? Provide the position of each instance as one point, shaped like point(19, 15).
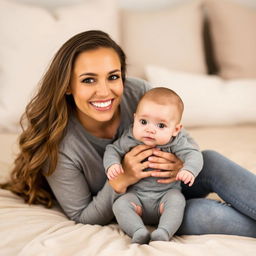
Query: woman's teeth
point(101, 104)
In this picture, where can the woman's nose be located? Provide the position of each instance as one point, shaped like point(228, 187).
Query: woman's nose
point(103, 89)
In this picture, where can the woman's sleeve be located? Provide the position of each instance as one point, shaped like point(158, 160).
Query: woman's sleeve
point(71, 190)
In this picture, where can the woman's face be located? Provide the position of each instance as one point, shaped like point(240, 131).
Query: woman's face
point(96, 85)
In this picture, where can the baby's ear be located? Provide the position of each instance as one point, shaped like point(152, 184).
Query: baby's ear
point(177, 129)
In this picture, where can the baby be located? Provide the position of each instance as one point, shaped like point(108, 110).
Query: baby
point(157, 124)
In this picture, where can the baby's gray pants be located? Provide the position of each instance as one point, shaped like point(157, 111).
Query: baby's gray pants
point(170, 220)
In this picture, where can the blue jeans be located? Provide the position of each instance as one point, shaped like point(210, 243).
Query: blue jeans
point(235, 185)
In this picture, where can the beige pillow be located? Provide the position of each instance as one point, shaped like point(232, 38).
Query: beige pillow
point(170, 37)
point(233, 31)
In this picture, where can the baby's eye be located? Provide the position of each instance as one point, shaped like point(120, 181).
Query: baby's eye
point(114, 77)
point(143, 121)
point(161, 125)
point(88, 80)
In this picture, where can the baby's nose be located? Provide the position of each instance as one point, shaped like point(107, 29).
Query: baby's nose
point(151, 129)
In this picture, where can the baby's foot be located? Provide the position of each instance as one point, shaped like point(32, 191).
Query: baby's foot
point(141, 236)
point(160, 234)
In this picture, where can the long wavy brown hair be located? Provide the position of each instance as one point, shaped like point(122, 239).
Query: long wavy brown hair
point(46, 117)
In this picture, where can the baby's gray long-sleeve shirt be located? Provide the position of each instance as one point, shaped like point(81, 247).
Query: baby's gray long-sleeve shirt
point(79, 182)
point(179, 145)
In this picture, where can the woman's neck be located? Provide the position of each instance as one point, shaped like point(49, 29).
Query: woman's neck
point(106, 130)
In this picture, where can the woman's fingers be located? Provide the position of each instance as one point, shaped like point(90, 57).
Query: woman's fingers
point(166, 181)
point(156, 159)
point(165, 161)
point(165, 155)
point(163, 166)
point(138, 149)
point(140, 156)
point(163, 174)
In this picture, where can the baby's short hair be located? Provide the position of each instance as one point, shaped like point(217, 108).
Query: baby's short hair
point(164, 96)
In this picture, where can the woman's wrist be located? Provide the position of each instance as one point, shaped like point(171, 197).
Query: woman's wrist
point(119, 184)
point(122, 182)
point(117, 187)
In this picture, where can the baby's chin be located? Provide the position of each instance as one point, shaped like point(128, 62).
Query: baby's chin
point(150, 143)
point(153, 143)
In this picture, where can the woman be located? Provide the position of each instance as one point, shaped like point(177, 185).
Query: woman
point(84, 103)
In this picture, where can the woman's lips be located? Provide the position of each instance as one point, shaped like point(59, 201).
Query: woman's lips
point(102, 105)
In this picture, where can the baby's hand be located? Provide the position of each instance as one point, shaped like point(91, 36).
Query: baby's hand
point(114, 170)
point(186, 177)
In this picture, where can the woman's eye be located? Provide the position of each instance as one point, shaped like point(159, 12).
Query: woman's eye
point(143, 121)
point(114, 77)
point(88, 80)
point(161, 125)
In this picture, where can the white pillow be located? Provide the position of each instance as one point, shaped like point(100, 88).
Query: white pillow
point(209, 100)
point(30, 36)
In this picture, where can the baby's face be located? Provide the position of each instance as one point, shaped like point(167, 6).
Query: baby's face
point(155, 124)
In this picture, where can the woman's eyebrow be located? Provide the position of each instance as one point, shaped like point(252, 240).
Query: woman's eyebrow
point(94, 74)
point(88, 74)
point(114, 71)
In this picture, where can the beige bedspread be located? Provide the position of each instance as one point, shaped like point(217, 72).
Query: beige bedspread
point(33, 230)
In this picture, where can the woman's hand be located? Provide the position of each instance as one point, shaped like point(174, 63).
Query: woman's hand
point(133, 168)
point(164, 161)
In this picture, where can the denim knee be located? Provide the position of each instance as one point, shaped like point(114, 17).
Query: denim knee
point(206, 216)
point(217, 169)
point(211, 160)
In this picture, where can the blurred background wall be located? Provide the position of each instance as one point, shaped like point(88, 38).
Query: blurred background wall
point(127, 4)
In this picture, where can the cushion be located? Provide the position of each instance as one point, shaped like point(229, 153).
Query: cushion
point(170, 37)
point(232, 28)
point(29, 38)
point(209, 100)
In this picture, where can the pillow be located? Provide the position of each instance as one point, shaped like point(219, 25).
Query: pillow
point(147, 4)
point(209, 100)
point(232, 28)
point(30, 36)
point(170, 37)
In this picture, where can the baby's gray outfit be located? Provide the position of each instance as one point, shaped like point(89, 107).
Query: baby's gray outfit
point(148, 193)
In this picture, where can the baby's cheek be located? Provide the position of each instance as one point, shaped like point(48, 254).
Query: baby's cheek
point(164, 138)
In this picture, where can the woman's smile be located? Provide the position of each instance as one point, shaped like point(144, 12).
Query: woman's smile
point(102, 105)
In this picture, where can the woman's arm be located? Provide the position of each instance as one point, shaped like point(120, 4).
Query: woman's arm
point(74, 195)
